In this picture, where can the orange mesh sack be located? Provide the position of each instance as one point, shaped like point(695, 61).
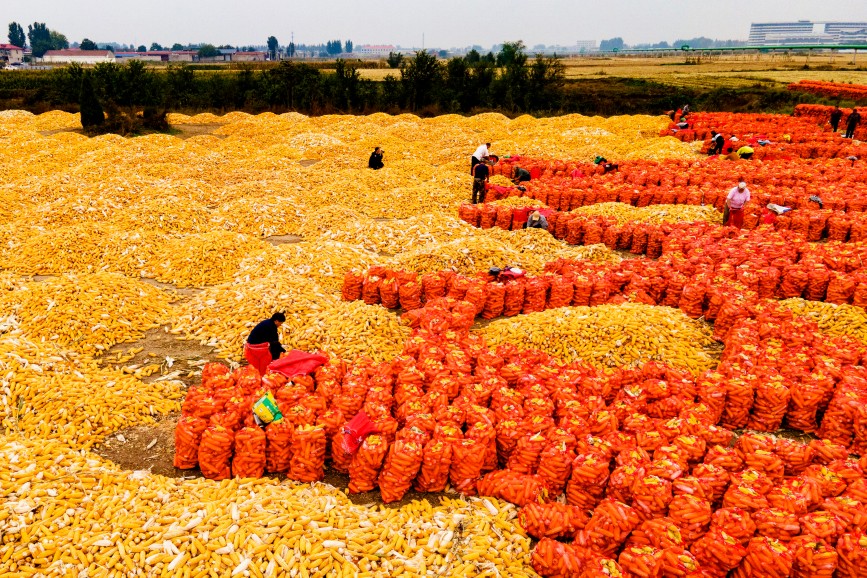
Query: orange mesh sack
point(812, 558)
point(249, 459)
point(553, 520)
point(718, 552)
point(278, 447)
point(366, 464)
point(777, 524)
point(556, 559)
point(641, 561)
point(525, 458)
point(734, 522)
point(555, 467)
point(608, 528)
point(468, 457)
point(400, 469)
point(766, 558)
point(852, 555)
point(308, 454)
point(692, 515)
point(434, 472)
point(651, 496)
point(215, 452)
point(188, 437)
point(352, 286)
point(519, 489)
point(341, 459)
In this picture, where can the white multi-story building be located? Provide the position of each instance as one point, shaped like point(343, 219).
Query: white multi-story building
point(807, 32)
point(374, 50)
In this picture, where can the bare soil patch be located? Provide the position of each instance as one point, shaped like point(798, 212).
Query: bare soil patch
point(179, 358)
point(185, 131)
point(278, 240)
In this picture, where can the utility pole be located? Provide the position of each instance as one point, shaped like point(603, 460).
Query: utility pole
point(422, 40)
point(292, 45)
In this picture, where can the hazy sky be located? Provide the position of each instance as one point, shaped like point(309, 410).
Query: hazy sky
point(444, 23)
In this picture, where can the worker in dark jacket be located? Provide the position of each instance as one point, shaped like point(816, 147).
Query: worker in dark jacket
point(536, 221)
point(375, 161)
point(263, 344)
point(717, 142)
point(521, 176)
point(852, 123)
point(836, 115)
point(481, 175)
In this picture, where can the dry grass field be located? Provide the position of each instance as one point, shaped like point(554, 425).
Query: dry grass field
point(719, 71)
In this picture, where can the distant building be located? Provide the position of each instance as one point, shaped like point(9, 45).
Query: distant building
point(807, 32)
point(71, 55)
point(182, 56)
point(11, 54)
point(374, 50)
point(586, 46)
point(147, 57)
point(249, 57)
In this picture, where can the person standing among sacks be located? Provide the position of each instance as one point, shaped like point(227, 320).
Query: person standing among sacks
point(481, 155)
point(836, 115)
point(717, 142)
point(738, 197)
point(481, 175)
point(263, 344)
point(852, 123)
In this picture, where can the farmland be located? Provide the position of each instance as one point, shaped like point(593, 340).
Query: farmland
point(650, 386)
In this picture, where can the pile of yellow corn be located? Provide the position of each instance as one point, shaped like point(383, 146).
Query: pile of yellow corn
point(203, 259)
point(837, 320)
point(223, 315)
point(611, 336)
point(325, 262)
point(49, 393)
point(517, 202)
point(653, 214)
point(87, 313)
point(394, 236)
point(73, 513)
point(483, 249)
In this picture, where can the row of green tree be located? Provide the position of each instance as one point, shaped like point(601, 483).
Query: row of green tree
point(511, 81)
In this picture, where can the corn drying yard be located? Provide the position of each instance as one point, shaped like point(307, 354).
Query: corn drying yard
point(657, 395)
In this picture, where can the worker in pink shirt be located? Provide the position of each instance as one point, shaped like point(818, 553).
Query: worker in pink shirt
point(737, 198)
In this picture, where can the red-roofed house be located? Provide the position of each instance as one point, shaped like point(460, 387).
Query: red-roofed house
point(11, 54)
point(71, 55)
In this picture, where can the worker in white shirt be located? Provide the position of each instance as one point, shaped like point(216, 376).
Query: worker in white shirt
point(737, 198)
point(479, 156)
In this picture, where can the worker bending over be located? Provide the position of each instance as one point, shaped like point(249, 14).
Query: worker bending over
point(375, 160)
point(536, 221)
point(521, 176)
point(263, 344)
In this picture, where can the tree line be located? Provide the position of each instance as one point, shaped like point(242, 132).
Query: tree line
point(512, 82)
